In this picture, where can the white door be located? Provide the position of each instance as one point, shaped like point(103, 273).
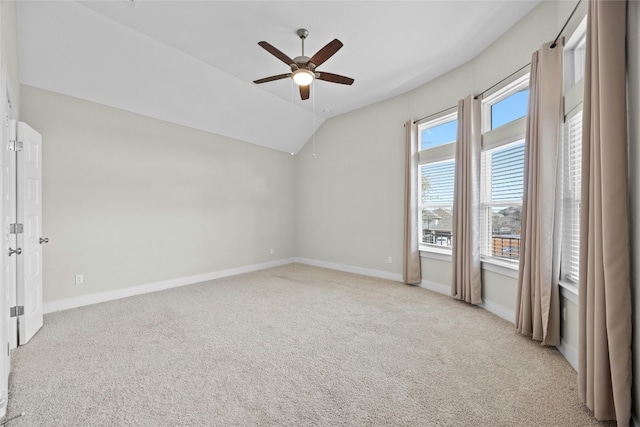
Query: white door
point(30, 241)
point(10, 210)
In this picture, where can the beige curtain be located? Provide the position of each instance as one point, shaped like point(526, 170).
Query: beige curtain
point(465, 282)
point(604, 357)
point(538, 300)
point(411, 258)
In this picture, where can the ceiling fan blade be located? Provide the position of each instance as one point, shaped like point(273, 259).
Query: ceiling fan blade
point(304, 92)
point(326, 52)
point(275, 52)
point(272, 78)
point(335, 78)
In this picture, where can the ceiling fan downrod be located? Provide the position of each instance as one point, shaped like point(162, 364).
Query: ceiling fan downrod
point(303, 33)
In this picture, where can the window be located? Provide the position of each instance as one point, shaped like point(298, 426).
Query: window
point(501, 200)
point(438, 134)
point(574, 56)
point(578, 59)
point(502, 171)
point(571, 160)
point(510, 108)
point(506, 105)
point(437, 171)
point(571, 174)
point(437, 181)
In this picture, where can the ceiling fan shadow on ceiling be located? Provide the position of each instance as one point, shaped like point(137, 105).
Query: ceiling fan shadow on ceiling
point(303, 69)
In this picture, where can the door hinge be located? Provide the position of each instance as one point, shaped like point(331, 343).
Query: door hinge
point(15, 145)
point(16, 228)
point(16, 311)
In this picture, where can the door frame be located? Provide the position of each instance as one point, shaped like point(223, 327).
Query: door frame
point(8, 281)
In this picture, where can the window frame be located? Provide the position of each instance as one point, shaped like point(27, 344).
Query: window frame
point(501, 94)
point(492, 139)
point(569, 197)
point(573, 105)
point(574, 51)
point(433, 155)
point(486, 233)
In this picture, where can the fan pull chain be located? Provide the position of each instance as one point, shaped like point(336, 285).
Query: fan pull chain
point(293, 135)
point(313, 135)
point(7, 421)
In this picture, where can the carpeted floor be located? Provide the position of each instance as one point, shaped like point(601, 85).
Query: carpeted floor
point(294, 346)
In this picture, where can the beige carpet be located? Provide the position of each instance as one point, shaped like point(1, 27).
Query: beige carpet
point(294, 346)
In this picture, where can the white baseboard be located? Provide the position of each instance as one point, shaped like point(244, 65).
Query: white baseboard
point(80, 301)
point(491, 307)
point(436, 287)
point(569, 353)
point(498, 310)
point(351, 269)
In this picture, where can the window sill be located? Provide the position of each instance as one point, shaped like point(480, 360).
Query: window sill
point(505, 268)
point(569, 291)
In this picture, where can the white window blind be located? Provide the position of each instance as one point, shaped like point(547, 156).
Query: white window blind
point(501, 200)
point(436, 202)
point(571, 175)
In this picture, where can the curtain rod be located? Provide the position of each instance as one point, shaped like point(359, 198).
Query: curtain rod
point(477, 96)
point(509, 76)
point(434, 114)
point(553, 45)
point(555, 42)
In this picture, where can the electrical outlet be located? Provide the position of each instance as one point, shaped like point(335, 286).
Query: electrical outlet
point(564, 313)
point(389, 260)
point(271, 251)
point(79, 279)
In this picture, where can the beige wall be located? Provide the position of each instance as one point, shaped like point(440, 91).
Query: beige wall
point(9, 50)
point(130, 200)
point(438, 271)
point(568, 326)
point(500, 290)
point(348, 193)
point(633, 72)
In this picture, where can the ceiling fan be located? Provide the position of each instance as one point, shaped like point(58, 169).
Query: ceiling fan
point(303, 69)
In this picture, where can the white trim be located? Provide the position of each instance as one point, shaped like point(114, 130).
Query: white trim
point(512, 86)
point(436, 287)
point(80, 301)
point(572, 100)
point(508, 133)
point(569, 291)
point(437, 154)
point(569, 353)
point(441, 118)
point(498, 310)
point(501, 267)
point(351, 269)
point(509, 86)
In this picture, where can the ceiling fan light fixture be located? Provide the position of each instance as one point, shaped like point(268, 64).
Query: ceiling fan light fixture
point(303, 77)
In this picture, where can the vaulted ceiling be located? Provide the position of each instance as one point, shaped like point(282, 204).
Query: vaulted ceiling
point(193, 62)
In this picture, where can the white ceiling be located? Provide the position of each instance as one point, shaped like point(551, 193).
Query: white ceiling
point(193, 62)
